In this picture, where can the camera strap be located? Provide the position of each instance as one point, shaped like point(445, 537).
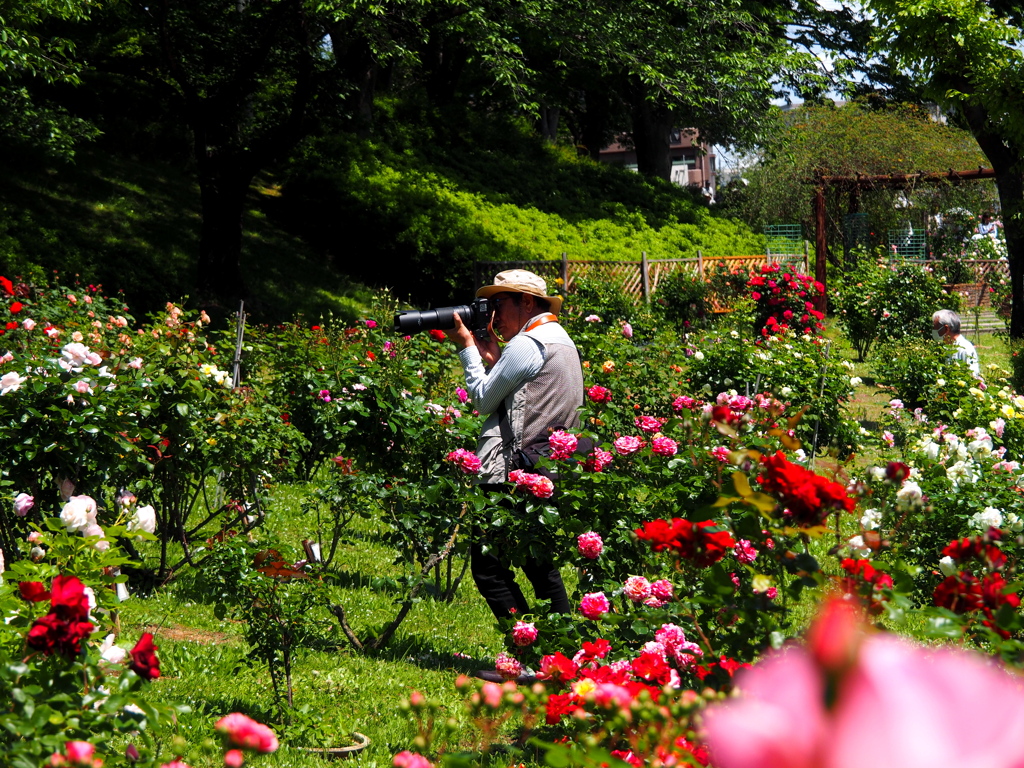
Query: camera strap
point(542, 320)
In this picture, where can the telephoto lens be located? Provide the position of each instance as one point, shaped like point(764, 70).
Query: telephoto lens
point(474, 316)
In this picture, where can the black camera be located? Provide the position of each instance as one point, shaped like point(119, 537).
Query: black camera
point(475, 316)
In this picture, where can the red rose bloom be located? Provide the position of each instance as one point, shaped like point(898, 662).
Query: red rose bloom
point(807, 499)
point(144, 663)
point(16, 307)
point(437, 335)
point(33, 591)
point(693, 541)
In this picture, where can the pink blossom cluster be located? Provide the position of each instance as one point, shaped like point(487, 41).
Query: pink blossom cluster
point(627, 445)
point(664, 446)
point(590, 545)
point(541, 487)
point(563, 444)
point(744, 552)
point(246, 733)
point(524, 633)
point(594, 605)
point(465, 460)
point(673, 640)
point(721, 453)
point(597, 461)
point(685, 402)
point(739, 403)
point(648, 424)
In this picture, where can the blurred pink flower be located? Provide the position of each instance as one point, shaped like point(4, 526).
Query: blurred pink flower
point(28, 323)
point(409, 759)
point(246, 733)
point(234, 758)
point(909, 705)
point(627, 330)
point(462, 394)
point(744, 552)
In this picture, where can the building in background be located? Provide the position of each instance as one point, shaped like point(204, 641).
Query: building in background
point(693, 163)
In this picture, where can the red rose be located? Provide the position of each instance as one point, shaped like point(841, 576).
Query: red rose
point(806, 498)
point(437, 335)
point(33, 591)
point(693, 541)
point(7, 286)
point(144, 663)
point(68, 599)
point(16, 307)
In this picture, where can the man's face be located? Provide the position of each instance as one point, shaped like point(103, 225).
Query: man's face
point(507, 315)
point(938, 330)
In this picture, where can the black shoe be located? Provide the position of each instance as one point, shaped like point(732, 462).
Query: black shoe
point(492, 676)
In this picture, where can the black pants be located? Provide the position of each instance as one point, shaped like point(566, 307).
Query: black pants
point(497, 582)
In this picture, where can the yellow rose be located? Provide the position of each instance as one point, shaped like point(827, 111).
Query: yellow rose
point(608, 366)
point(762, 583)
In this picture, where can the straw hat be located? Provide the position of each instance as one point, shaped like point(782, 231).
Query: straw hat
point(521, 281)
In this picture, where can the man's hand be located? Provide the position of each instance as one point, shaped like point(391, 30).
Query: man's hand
point(461, 335)
point(464, 338)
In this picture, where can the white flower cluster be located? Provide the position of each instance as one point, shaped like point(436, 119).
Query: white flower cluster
point(211, 371)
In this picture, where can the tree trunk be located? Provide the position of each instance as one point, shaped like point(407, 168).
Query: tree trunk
point(1007, 161)
point(652, 126)
point(594, 120)
point(549, 123)
point(223, 185)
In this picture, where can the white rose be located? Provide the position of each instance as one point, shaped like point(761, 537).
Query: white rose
point(698, 355)
point(857, 546)
point(988, 517)
point(871, 519)
point(909, 496)
point(93, 529)
point(948, 567)
point(144, 520)
point(785, 391)
point(110, 653)
point(78, 513)
point(855, 381)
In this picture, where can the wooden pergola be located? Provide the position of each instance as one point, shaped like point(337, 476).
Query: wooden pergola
point(861, 181)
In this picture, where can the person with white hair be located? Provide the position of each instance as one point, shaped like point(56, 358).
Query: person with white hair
point(946, 328)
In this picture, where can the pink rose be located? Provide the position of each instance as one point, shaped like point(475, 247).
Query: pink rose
point(597, 461)
point(627, 330)
point(627, 445)
point(23, 503)
point(465, 460)
point(371, 323)
point(664, 446)
point(28, 323)
point(682, 402)
point(234, 758)
point(462, 394)
point(663, 589)
point(590, 545)
point(79, 752)
point(563, 444)
point(599, 394)
point(594, 605)
point(524, 633)
point(647, 424)
point(508, 666)
point(637, 588)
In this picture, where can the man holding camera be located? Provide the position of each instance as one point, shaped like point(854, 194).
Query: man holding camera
point(531, 387)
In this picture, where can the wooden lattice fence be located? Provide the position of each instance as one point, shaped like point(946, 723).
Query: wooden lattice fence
point(638, 279)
